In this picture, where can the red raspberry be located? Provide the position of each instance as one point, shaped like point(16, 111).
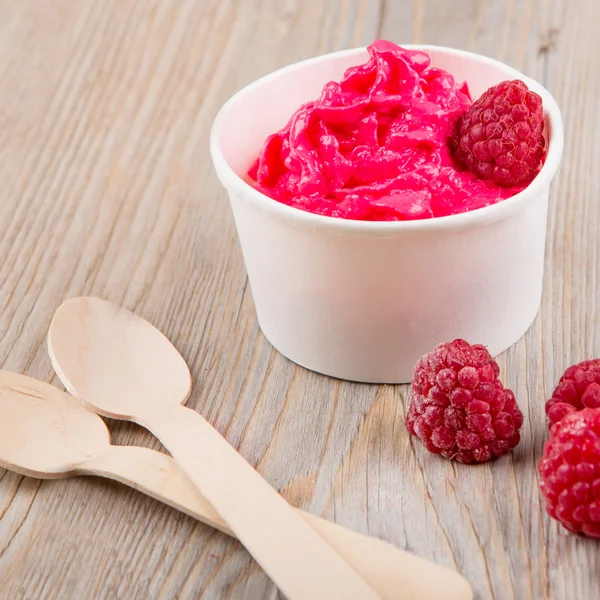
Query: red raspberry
point(501, 136)
point(459, 408)
point(577, 389)
point(570, 472)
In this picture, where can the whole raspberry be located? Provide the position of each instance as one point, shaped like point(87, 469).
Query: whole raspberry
point(578, 388)
point(459, 408)
point(570, 472)
point(501, 136)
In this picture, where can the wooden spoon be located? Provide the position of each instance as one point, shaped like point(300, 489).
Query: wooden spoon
point(46, 433)
point(121, 366)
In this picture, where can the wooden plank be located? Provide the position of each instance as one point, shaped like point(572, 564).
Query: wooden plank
point(108, 189)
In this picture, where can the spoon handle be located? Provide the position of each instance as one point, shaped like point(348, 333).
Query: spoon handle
point(156, 475)
point(295, 556)
point(393, 573)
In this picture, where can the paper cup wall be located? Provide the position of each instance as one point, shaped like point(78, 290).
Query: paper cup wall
point(364, 300)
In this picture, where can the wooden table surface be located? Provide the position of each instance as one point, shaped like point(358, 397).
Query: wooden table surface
point(108, 189)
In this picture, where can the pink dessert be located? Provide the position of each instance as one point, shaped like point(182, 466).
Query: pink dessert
point(375, 146)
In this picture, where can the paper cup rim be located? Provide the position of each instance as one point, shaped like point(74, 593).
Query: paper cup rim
point(480, 216)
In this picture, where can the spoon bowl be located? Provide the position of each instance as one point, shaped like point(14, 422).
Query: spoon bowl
point(47, 434)
point(44, 432)
point(129, 364)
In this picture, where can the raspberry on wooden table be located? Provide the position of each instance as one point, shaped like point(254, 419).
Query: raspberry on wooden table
point(578, 388)
point(501, 136)
point(570, 472)
point(459, 408)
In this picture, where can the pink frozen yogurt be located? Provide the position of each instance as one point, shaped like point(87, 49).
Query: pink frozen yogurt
point(374, 146)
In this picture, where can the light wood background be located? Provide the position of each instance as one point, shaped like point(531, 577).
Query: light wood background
point(107, 188)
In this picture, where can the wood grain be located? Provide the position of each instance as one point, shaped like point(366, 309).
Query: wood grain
point(108, 189)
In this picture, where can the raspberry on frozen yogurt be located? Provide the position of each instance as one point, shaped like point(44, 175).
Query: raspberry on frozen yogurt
point(501, 136)
point(459, 408)
point(383, 144)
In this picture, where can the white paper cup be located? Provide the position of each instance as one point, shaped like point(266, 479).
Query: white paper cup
point(364, 300)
